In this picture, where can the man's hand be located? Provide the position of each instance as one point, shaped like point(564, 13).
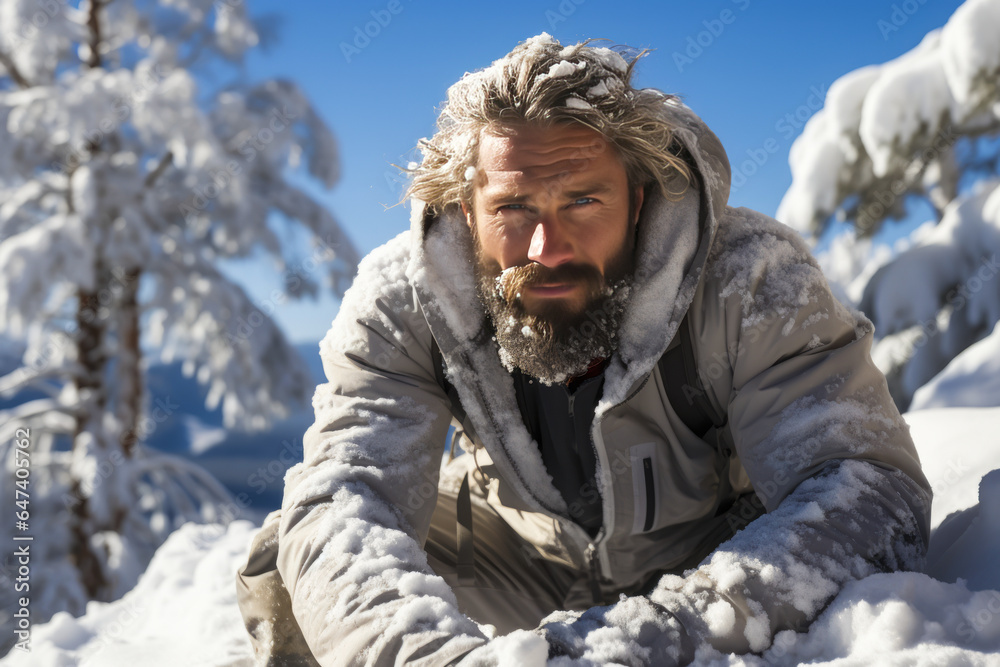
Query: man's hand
point(635, 631)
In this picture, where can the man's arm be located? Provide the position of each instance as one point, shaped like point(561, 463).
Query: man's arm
point(356, 512)
point(822, 443)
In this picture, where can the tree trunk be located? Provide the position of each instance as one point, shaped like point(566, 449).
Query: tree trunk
point(90, 386)
point(130, 382)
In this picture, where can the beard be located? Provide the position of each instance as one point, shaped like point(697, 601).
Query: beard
point(556, 342)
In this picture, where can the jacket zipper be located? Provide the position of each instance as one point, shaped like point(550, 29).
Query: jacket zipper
point(595, 576)
point(647, 475)
point(596, 552)
point(601, 559)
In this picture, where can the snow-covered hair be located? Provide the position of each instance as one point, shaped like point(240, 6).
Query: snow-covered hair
point(541, 82)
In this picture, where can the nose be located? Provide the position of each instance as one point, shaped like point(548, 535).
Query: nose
point(550, 245)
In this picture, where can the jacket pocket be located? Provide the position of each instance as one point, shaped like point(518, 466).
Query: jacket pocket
point(644, 486)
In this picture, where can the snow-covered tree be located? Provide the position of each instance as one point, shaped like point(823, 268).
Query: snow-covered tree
point(124, 185)
point(924, 127)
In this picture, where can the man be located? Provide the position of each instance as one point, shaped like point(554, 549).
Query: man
point(637, 372)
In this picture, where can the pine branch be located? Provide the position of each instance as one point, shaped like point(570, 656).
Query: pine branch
point(94, 24)
point(161, 167)
point(13, 71)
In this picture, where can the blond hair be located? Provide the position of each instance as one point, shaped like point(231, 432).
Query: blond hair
point(541, 82)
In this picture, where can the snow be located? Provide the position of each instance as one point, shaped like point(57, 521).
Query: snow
point(30, 261)
point(972, 554)
point(970, 49)
point(903, 618)
point(600, 89)
point(957, 447)
point(574, 102)
point(183, 610)
point(876, 119)
point(936, 297)
point(561, 69)
point(120, 169)
point(611, 60)
point(911, 94)
point(794, 278)
point(972, 378)
point(202, 437)
point(448, 292)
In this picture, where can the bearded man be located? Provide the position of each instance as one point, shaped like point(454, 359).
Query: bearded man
point(676, 440)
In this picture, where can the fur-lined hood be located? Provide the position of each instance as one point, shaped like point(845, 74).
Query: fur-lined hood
point(674, 240)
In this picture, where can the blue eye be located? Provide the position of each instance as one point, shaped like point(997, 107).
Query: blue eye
point(513, 207)
point(582, 201)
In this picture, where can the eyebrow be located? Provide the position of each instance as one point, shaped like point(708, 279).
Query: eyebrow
point(505, 198)
point(514, 198)
point(589, 189)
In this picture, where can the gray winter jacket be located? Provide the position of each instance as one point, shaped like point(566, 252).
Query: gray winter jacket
point(813, 432)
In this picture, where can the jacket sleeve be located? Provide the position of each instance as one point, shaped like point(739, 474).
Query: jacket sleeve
point(822, 443)
point(357, 510)
point(820, 439)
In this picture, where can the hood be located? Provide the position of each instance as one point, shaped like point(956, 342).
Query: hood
point(674, 238)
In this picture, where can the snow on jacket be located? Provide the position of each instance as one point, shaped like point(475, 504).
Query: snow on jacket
point(813, 432)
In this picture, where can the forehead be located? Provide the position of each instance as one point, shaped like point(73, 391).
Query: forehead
point(525, 154)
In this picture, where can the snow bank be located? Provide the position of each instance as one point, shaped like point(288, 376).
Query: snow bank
point(957, 447)
point(182, 612)
point(967, 543)
point(970, 379)
point(899, 619)
point(910, 131)
point(936, 298)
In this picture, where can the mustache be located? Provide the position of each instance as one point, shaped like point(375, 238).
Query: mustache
point(510, 282)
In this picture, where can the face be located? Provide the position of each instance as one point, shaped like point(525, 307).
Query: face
point(551, 206)
point(554, 232)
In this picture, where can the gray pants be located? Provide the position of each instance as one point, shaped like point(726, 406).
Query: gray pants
point(509, 589)
point(505, 582)
point(498, 578)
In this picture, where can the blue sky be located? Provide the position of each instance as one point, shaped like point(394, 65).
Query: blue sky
point(754, 71)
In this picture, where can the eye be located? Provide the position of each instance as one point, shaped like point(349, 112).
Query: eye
point(512, 207)
point(583, 201)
